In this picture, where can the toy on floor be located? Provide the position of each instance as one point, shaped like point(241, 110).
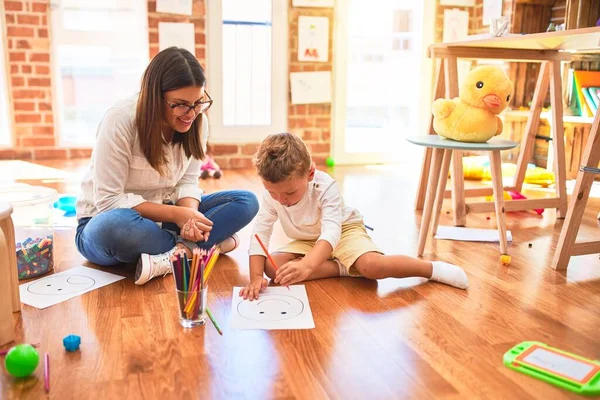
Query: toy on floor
point(557, 367)
point(21, 360)
point(72, 342)
point(210, 169)
point(478, 168)
point(473, 116)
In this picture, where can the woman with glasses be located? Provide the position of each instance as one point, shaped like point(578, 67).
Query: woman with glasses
point(140, 198)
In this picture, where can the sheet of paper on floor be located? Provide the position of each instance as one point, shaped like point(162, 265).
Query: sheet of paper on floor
point(470, 234)
point(276, 308)
point(53, 289)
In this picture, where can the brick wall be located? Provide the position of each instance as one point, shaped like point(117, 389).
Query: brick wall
point(198, 18)
point(30, 83)
point(30, 80)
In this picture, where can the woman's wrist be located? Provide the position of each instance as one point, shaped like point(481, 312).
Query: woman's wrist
point(172, 213)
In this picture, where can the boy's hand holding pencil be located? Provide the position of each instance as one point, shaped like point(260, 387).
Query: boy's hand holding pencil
point(292, 272)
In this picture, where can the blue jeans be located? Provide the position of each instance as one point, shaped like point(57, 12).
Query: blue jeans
point(122, 235)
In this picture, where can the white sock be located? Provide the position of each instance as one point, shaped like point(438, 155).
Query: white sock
point(449, 274)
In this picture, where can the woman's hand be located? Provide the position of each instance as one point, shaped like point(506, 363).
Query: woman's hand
point(192, 223)
point(191, 232)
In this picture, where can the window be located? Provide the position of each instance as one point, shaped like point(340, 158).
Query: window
point(247, 71)
point(100, 50)
point(5, 125)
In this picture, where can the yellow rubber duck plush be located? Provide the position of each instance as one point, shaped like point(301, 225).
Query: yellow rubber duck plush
point(473, 116)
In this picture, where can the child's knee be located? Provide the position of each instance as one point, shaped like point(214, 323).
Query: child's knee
point(369, 267)
point(269, 270)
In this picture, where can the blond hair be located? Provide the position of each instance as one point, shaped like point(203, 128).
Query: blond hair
point(282, 156)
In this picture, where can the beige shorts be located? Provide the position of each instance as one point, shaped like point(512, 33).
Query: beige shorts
point(354, 243)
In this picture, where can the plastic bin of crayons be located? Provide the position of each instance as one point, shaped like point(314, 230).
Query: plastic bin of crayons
point(34, 232)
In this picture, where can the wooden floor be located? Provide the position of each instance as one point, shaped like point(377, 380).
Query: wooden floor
point(388, 339)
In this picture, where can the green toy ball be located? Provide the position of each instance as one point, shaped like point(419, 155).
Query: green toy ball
point(330, 162)
point(21, 360)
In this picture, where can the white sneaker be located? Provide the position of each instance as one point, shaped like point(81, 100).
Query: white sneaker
point(150, 266)
point(229, 244)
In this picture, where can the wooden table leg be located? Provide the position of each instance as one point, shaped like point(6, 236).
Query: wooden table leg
point(579, 198)
point(458, 179)
point(533, 123)
point(431, 189)
point(441, 188)
point(558, 138)
point(496, 167)
point(438, 92)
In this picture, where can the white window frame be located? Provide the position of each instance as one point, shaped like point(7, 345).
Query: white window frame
point(279, 77)
point(7, 121)
point(91, 38)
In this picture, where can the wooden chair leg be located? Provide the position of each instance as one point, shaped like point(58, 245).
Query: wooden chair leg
point(533, 123)
point(423, 179)
point(7, 227)
point(579, 198)
point(496, 167)
point(438, 92)
point(431, 189)
point(558, 138)
point(441, 189)
point(7, 331)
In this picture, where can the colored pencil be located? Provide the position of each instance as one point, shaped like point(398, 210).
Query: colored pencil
point(214, 321)
point(273, 263)
point(47, 372)
point(184, 264)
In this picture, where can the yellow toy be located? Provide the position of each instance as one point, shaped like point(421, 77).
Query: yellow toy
point(473, 116)
point(477, 168)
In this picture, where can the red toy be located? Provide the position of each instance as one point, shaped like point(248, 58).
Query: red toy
point(519, 196)
point(210, 169)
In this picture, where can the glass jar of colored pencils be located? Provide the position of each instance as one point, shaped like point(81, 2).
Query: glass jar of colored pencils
point(191, 284)
point(192, 307)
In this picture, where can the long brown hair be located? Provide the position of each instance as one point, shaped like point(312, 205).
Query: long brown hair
point(171, 69)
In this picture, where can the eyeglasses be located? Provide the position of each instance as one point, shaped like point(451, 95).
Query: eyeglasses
point(179, 109)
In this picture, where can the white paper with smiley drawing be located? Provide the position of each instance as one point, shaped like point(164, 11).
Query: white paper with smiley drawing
point(53, 289)
point(276, 308)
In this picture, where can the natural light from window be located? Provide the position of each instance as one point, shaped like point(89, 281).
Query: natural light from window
point(100, 52)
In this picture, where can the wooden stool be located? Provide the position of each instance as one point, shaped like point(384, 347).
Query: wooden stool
point(9, 278)
point(440, 166)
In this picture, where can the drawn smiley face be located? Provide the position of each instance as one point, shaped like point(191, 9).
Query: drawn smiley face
point(271, 307)
point(61, 285)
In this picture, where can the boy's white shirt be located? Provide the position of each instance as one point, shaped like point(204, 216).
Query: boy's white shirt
point(319, 215)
